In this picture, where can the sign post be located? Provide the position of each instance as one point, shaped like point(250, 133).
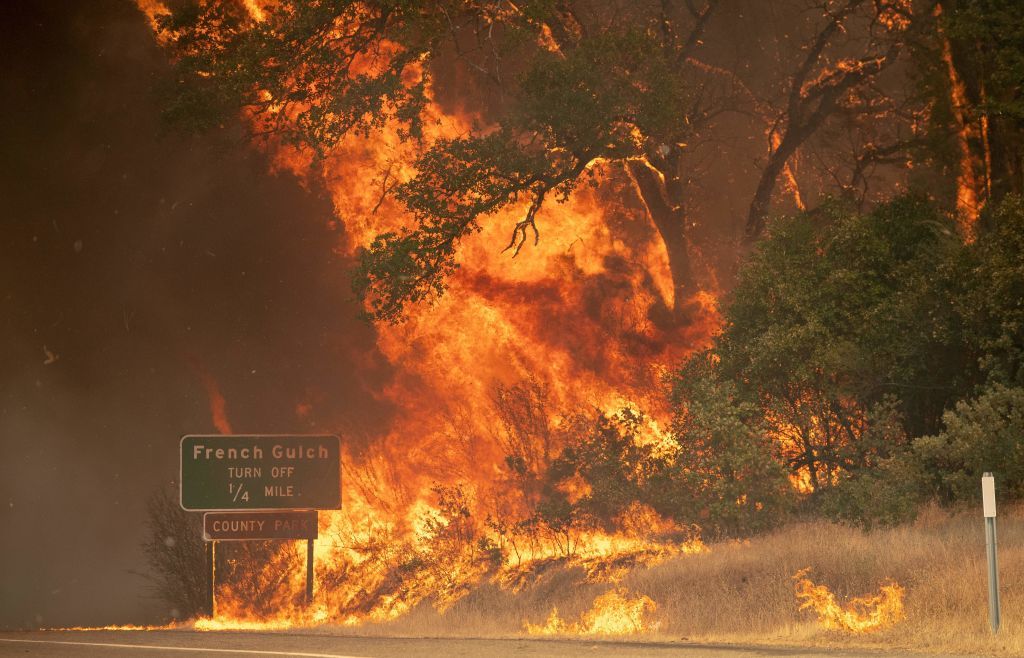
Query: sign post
point(211, 564)
point(988, 502)
point(309, 571)
point(260, 486)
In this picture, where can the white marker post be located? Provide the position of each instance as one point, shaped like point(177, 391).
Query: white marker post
point(988, 504)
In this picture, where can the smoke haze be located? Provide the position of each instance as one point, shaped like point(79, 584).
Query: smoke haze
point(136, 265)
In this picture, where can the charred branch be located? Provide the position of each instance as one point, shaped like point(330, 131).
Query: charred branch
point(519, 232)
point(810, 104)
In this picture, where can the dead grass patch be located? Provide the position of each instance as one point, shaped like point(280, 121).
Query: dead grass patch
point(743, 592)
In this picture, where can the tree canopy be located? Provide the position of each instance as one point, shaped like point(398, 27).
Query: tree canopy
point(649, 91)
point(873, 348)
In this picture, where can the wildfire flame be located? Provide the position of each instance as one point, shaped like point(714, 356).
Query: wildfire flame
point(604, 268)
point(860, 615)
point(242, 622)
point(613, 613)
point(118, 627)
point(487, 329)
point(218, 405)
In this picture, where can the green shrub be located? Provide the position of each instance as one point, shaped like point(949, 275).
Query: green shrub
point(984, 434)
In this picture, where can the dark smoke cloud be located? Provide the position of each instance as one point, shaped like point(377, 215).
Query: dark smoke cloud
point(131, 261)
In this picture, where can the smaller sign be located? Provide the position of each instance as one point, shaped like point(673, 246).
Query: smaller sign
point(245, 526)
point(988, 495)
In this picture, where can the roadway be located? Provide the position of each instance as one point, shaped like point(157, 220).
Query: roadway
point(179, 644)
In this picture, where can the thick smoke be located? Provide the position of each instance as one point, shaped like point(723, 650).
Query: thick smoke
point(135, 265)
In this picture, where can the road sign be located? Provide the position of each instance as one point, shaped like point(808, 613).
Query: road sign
point(244, 526)
point(260, 472)
point(988, 495)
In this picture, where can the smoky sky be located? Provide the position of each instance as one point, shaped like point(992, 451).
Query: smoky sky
point(133, 259)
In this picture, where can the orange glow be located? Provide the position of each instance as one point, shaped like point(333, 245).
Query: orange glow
point(152, 9)
point(218, 405)
point(806, 424)
point(255, 9)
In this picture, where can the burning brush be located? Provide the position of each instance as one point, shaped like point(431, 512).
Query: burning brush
point(613, 613)
point(860, 615)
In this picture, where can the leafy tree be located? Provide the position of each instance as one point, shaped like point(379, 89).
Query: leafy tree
point(599, 102)
point(632, 96)
point(983, 434)
point(732, 471)
point(718, 467)
point(607, 466)
point(993, 309)
point(640, 89)
point(837, 312)
point(886, 490)
point(847, 334)
point(307, 72)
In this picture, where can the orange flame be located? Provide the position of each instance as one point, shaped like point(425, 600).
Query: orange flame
point(118, 627)
point(577, 313)
point(218, 405)
point(969, 201)
point(613, 613)
point(861, 614)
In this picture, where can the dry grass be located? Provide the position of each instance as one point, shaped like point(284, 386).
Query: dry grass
point(743, 592)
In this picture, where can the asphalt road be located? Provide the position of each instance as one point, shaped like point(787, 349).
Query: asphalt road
point(177, 644)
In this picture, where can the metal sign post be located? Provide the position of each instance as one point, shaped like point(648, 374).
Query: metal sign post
point(988, 501)
point(211, 563)
point(309, 571)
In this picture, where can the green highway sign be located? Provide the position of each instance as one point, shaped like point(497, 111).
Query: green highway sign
point(260, 472)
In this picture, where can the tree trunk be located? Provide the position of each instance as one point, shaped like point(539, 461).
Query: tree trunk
point(969, 197)
point(663, 198)
point(758, 214)
point(796, 134)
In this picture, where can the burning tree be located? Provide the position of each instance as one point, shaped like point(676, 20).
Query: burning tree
point(645, 92)
point(451, 135)
point(973, 72)
point(731, 465)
